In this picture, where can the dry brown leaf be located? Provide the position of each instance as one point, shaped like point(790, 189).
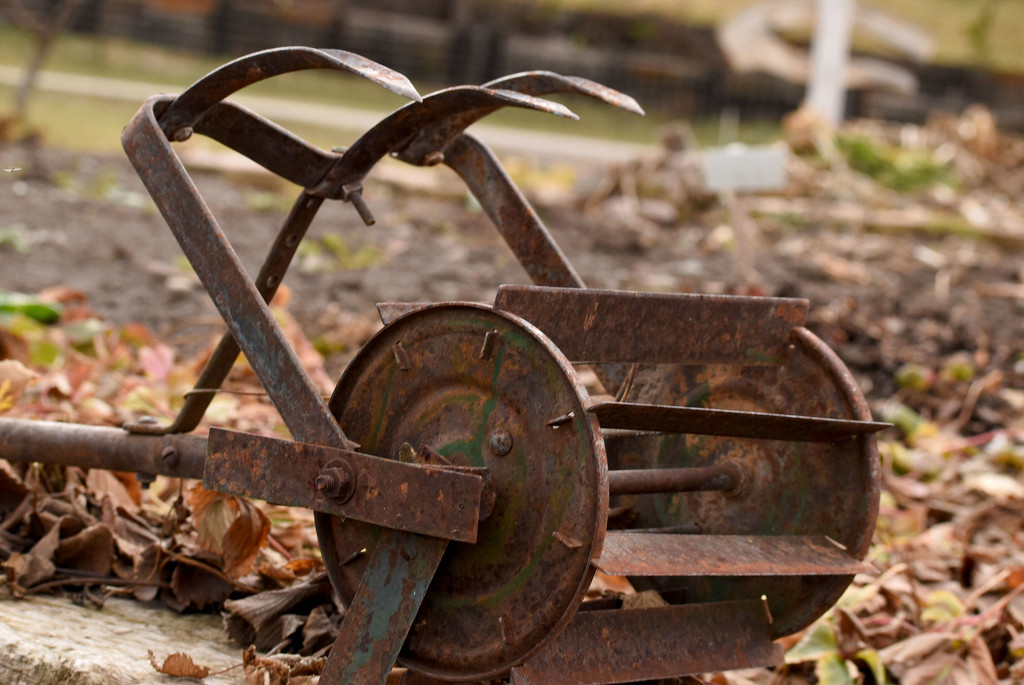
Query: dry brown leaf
point(244, 538)
point(214, 512)
point(303, 566)
point(979, 661)
point(179, 665)
point(36, 565)
point(15, 377)
point(195, 587)
point(103, 483)
point(262, 671)
point(939, 669)
point(90, 550)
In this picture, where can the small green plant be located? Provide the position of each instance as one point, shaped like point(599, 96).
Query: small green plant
point(905, 170)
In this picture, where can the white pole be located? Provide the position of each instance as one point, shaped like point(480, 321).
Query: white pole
point(830, 51)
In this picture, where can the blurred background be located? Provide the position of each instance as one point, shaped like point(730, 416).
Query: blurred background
point(708, 61)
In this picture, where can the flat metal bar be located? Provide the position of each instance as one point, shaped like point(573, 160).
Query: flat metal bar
point(266, 143)
point(247, 316)
point(101, 447)
point(692, 479)
point(383, 608)
point(730, 423)
point(662, 554)
point(428, 500)
point(516, 221)
point(627, 645)
point(658, 328)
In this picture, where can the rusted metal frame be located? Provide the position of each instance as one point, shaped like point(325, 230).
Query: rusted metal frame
point(244, 71)
point(728, 422)
point(511, 213)
point(439, 501)
point(627, 645)
point(247, 316)
point(264, 142)
point(694, 479)
point(521, 227)
point(68, 444)
point(626, 553)
point(620, 326)
point(383, 609)
point(275, 363)
point(843, 380)
point(218, 366)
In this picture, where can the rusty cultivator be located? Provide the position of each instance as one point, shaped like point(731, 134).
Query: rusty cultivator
point(465, 484)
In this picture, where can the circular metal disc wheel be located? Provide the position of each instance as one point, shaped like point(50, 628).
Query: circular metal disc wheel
point(479, 388)
point(787, 488)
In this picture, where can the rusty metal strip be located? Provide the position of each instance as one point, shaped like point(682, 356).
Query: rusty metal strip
point(383, 609)
point(618, 326)
point(540, 83)
point(662, 554)
point(516, 221)
point(627, 645)
point(438, 137)
point(730, 423)
point(255, 67)
point(847, 384)
point(269, 145)
point(428, 500)
point(100, 447)
point(247, 316)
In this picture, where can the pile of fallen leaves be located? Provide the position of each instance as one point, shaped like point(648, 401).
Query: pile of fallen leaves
point(95, 534)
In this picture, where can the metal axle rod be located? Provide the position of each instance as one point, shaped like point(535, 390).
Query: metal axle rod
point(695, 479)
point(100, 447)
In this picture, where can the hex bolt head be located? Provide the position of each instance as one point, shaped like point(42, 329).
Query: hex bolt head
point(500, 442)
point(335, 481)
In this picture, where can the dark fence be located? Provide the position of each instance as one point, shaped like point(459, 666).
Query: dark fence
point(666, 66)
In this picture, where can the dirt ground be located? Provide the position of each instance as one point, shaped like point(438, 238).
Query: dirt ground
point(879, 298)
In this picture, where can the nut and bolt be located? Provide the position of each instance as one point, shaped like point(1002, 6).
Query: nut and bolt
point(335, 481)
point(500, 442)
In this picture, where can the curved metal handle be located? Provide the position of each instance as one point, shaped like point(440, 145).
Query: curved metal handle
point(205, 93)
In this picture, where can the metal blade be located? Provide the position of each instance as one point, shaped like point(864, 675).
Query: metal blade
point(591, 325)
point(626, 645)
point(729, 423)
point(664, 554)
point(244, 71)
point(430, 118)
point(549, 82)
